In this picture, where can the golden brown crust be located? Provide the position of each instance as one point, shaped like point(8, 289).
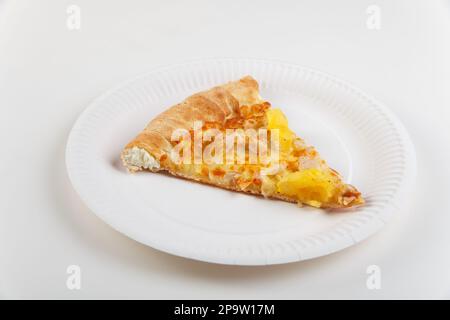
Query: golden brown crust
point(215, 105)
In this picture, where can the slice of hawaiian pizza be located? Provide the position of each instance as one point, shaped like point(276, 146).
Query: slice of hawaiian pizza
point(292, 171)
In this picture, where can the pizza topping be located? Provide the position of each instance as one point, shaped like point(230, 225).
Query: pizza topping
point(218, 172)
point(268, 187)
point(307, 185)
point(276, 119)
point(205, 171)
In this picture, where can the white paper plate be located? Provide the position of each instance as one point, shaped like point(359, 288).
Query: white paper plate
point(358, 136)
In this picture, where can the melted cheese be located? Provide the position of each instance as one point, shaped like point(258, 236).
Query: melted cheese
point(140, 158)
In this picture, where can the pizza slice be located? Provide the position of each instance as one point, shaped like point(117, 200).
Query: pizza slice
point(230, 137)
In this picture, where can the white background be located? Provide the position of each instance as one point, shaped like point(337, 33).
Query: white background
point(48, 74)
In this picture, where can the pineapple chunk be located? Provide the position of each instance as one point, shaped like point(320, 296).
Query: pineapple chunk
point(310, 186)
point(277, 120)
point(286, 137)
